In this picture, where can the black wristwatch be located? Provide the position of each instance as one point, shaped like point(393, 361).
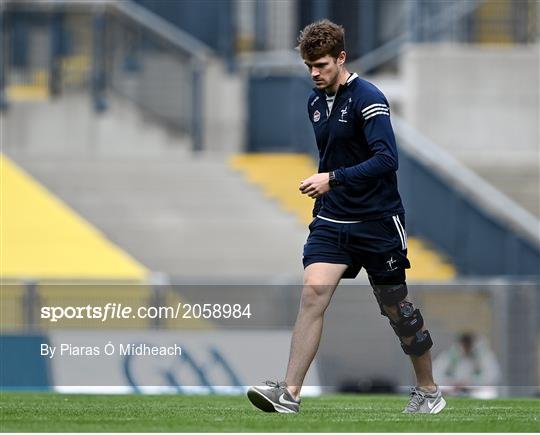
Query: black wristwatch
point(332, 180)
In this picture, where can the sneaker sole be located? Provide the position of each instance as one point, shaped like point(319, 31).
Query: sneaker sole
point(263, 403)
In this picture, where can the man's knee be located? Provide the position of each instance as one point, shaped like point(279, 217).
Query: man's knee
point(320, 281)
point(406, 321)
point(315, 296)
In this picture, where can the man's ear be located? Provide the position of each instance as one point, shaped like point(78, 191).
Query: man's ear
point(341, 58)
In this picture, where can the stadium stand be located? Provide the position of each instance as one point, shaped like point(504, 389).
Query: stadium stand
point(42, 238)
point(151, 177)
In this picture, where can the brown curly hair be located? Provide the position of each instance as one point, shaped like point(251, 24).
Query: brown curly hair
point(321, 38)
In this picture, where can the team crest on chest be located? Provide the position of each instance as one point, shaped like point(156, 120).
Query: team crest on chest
point(344, 111)
point(316, 116)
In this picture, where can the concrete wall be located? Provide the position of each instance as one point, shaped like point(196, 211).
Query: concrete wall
point(69, 126)
point(477, 102)
point(224, 108)
point(274, 126)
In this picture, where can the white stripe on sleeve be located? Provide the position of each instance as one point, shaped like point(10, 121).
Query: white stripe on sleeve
point(372, 106)
point(376, 113)
point(375, 109)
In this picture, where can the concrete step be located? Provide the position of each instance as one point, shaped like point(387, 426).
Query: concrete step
point(190, 217)
point(522, 183)
point(186, 215)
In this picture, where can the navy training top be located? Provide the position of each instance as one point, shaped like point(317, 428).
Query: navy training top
point(357, 142)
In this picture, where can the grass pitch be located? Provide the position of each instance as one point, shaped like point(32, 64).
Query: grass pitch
point(50, 412)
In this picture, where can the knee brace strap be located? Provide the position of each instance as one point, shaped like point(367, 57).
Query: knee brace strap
point(390, 294)
point(410, 322)
point(421, 344)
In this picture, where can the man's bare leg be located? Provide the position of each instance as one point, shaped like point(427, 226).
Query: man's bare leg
point(320, 282)
point(423, 371)
point(421, 364)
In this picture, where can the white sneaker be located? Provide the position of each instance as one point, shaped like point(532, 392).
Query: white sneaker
point(275, 397)
point(421, 402)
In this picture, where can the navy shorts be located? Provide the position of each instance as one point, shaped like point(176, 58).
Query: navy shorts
point(379, 246)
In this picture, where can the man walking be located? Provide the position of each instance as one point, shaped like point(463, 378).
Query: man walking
point(358, 221)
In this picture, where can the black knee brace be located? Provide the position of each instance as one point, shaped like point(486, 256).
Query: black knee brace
point(421, 344)
point(389, 289)
point(392, 290)
point(410, 324)
point(410, 320)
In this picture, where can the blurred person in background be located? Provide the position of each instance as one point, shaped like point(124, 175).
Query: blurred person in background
point(468, 368)
point(358, 221)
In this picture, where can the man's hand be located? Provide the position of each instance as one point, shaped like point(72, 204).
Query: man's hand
point(316, 185)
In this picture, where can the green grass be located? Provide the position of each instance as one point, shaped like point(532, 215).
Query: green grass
point(49, 412)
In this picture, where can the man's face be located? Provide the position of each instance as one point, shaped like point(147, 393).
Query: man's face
point(324, 71)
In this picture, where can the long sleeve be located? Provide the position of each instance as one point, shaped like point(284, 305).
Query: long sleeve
point(381, 142)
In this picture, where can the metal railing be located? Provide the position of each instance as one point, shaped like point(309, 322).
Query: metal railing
point(432, 21)
point(480, 228)
point(472, 21)
point(107, 46)
point(424, 24)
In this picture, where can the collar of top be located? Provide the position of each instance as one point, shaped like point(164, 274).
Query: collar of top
point(351, 77)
